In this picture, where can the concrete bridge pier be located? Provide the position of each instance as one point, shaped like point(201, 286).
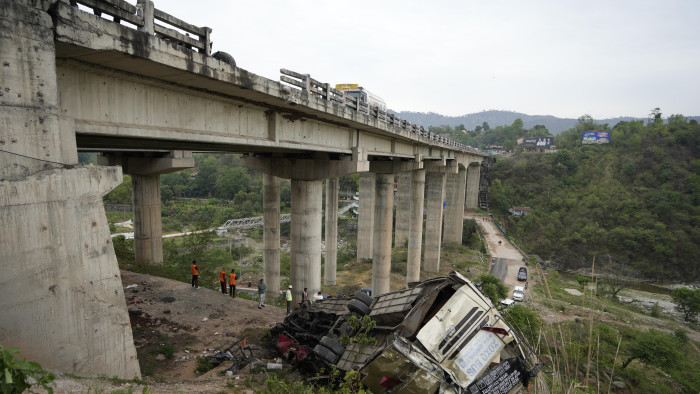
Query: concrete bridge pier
point(455, 189)
point(415, 229)
point(383, 219)
point(271, 234)
point(473, 174)
point(365, 219)
point(306, 236)
point(435, 185)
point(403, 197)
point(383, 216)
point(331, 236)
point(145, 180)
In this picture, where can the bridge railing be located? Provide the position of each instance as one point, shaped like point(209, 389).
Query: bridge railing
point(147, 18)
point(305, 83)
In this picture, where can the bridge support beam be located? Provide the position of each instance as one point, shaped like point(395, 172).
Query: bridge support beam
point(306, 237)
point(473, 175)
point(415, 227)
point(383, 216)
point(271, 234)
point(455, 189)
point(402, 209)
point(435, 183)
point(62, 298)
point(329, 273)
point(365, 220)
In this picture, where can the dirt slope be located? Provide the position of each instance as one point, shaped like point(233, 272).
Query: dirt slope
point(191, 322)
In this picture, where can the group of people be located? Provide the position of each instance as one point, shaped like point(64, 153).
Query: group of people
point(222, 279)
point(262, 288)
point(223, 276)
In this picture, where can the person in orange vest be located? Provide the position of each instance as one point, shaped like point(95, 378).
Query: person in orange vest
point(232, 284)
point(222, 280)
point(195, 274)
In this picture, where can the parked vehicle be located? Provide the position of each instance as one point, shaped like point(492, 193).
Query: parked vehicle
point(442, 335)
point(519, 293)
point(522, 274)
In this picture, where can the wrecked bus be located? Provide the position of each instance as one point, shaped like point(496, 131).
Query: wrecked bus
point(441, 335)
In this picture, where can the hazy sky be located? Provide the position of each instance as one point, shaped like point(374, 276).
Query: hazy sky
point(562, 58)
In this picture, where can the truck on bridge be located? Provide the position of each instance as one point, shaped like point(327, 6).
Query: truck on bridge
point(362, 95)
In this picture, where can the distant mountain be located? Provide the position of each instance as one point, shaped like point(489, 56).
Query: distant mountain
point(501, 118)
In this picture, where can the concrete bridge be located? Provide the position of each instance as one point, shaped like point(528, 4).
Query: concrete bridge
point(123, 80)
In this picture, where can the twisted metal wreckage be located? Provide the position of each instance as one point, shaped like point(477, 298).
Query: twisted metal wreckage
point(441, 335)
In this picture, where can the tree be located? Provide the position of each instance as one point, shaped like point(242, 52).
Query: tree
point(687, 302)
point(230, 181)
point(654, 347)
point(493, 288)
point(583, 280)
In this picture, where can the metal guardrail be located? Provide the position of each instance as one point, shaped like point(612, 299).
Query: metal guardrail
point(306, 84)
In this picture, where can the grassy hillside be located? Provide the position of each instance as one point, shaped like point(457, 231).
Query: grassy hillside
point(633, 202)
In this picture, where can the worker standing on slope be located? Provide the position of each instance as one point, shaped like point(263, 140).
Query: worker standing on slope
point(232, 284)
point(222, 280)
point(288, 297)
point(195, 274)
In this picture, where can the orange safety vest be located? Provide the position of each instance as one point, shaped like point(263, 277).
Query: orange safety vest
point(222, 276)
point(232, 279)
point(194, 269)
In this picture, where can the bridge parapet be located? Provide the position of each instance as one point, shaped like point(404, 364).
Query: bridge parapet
point(151, 20)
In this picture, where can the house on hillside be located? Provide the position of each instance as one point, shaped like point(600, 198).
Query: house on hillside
point(519, 211)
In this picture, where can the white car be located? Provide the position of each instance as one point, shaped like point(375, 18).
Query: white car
point(518, 293)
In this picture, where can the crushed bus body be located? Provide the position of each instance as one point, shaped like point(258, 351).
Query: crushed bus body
point(441, 335)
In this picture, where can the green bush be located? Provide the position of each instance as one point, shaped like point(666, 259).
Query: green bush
point(524, 321)
point(16, 374)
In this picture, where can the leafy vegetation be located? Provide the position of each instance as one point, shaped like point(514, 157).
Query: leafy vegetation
point(17, 375)
point(687, 303)
point(633, 202)
point(493, 288)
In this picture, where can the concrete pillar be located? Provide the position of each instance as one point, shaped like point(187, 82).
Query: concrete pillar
point(306, 237)
point(271, 234)
point(473, 176)
point(148, 228)
point(365, 220)
point(331, 235)
point(402, 209)
point(454, 214)
point(415, 229)
point(435, 183)
point(383, 215)
point(62, 302)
